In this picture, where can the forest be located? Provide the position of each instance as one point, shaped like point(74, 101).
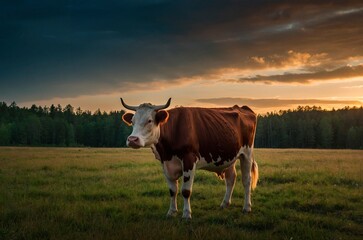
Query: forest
point(57, 126)
point(311, 127)
point(303, 127)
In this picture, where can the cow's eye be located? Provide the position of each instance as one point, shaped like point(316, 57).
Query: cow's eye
point(148, 122)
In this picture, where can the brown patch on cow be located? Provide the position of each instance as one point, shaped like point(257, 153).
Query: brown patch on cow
point(127, 118)
point(186, 179)
point(207, 132)
point(189, 159)
point(172, 193)
point(186, 193)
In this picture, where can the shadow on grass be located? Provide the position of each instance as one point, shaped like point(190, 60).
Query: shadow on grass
point(318, 207)
point(154, 193)
point(104, 196)
point(283, 179)
point(83, 169)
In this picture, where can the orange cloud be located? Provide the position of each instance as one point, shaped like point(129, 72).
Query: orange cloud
point(291, 59)
point(275, 102)
point(345, 72)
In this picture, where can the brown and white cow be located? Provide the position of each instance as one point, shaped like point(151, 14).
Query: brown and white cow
point(184, 139)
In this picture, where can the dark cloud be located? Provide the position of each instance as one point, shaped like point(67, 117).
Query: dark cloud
point(274, 102)
point(72, 48)
point(343, 72)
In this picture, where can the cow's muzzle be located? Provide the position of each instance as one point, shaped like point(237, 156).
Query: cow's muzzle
point(133, 142)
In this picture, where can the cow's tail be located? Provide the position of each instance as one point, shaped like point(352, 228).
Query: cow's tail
point(254, 174)
point(254, 169)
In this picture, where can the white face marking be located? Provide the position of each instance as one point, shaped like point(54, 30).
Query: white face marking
point(144, 127)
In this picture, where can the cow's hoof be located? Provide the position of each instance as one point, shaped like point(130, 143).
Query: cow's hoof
point(172, 213)
point(225, 204)
point(187, 215)
point(247, 210)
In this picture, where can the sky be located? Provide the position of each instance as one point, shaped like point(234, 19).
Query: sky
point(269, 55)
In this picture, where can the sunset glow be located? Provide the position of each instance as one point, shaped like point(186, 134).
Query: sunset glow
point(269, 55)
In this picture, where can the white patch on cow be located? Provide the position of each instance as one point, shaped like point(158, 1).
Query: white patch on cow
point(246, 150)
point(203, 164)
point(246, 165)
point(187, 210)
point(189, 174)
point(188, 185)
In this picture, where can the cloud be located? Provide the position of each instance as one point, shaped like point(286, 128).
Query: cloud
point(260, 60)
point(323, 75)
point(292, 59)
point(274, 102)
point(73, 48)
point(358, 86)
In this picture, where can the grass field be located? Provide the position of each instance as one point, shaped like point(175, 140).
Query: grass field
point(81, 193)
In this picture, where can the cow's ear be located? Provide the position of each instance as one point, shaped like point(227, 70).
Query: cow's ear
point(127, 118)
point(161, 117)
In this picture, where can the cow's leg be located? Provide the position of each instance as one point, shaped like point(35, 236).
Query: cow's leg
point(230, 179)
point(189, 165)
point(172, 171)
point(246, 165)
point(173, 189)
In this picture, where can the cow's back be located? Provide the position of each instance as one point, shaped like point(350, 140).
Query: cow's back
point(214, 133)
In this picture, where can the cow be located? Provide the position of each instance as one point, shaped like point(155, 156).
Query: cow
point(184, 139)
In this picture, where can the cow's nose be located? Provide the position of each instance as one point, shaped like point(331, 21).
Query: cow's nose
point(133, 142)
point(133, 139)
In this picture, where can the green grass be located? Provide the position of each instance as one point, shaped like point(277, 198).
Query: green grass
point(87, 193)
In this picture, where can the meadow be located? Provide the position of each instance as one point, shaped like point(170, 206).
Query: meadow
point(98, 193)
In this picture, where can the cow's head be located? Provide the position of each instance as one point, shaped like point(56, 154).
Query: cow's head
point(145, 123)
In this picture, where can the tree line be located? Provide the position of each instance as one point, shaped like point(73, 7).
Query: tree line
point(304, 127)
point(311, 127)
point(57, 126)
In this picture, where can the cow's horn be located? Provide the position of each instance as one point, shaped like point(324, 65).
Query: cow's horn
point(133, 108)
point(163, 106)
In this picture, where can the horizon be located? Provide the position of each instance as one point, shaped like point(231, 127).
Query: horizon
point(268, 55)
point(277, 111)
